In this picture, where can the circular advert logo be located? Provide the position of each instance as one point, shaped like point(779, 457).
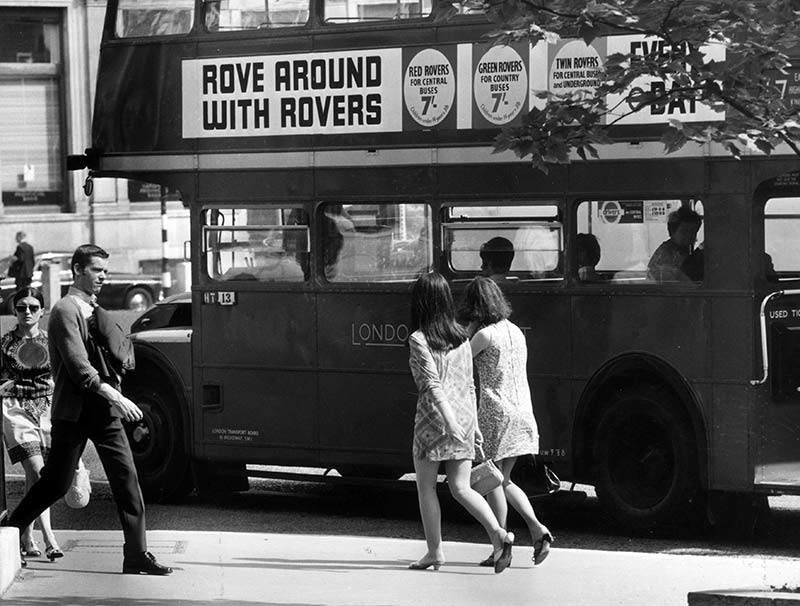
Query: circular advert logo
point(611, 212)
point(501, 84)
point(429, 87)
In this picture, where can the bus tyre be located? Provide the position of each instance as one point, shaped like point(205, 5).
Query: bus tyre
point(157, 443)
point(645, 459)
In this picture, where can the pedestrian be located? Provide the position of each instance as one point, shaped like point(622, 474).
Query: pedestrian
point(21, 266)
point(445, 424)
point(505, 410)
point(27, 393)
point(89, 406)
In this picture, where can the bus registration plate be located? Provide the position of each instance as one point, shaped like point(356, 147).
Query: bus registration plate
point(220, 298)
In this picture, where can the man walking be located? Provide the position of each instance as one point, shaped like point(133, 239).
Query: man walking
point(88, 406)
point(21, 268)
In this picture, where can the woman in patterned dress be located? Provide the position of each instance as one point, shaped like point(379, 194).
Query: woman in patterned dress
point(27, 393)
point(505, 411)
point(445, 424)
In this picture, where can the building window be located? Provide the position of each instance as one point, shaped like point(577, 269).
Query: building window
point(31, 156)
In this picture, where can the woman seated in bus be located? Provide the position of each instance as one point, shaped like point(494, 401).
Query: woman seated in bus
point(588, 257)
point(505, 411)
point(445, 424)
point(666, 264)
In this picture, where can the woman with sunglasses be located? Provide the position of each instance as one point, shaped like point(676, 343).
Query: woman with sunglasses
point(26, 395)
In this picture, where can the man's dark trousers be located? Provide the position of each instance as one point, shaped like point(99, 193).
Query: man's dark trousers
point(68, 441)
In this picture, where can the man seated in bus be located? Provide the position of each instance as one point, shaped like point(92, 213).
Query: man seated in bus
point(496, 257)
point(668, 263)
point(588, 257)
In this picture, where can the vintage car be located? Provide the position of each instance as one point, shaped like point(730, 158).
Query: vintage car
point(136, 292)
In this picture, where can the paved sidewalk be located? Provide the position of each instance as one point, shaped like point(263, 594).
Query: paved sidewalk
point(244, 569)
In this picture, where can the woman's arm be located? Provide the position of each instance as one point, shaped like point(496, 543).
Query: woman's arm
point(480, 341)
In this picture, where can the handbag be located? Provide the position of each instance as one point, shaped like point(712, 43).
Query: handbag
point(485, 476)
point(77, 496)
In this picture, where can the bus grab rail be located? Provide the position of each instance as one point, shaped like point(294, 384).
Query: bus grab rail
point(763, 328)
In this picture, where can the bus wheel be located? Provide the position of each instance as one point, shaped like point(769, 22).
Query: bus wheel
point(157, 444)
point(646, 461)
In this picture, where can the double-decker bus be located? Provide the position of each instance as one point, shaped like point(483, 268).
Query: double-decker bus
point(331, 151)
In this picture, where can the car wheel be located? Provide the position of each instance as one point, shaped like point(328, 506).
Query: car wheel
point(157, 444)
point(138, 299)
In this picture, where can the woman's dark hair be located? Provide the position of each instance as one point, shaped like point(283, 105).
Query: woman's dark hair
point(484, 303)
point(28, 292)
point(433, 312)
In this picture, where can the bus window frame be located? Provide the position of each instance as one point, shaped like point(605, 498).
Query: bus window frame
point(318, 258)
point(200, 24)
point(636, 283)
point(519, 277)
point(205, 229)
point(111, 25)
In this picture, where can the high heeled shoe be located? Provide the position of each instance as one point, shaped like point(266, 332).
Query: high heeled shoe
point(421, 564)
point(502, 556)
point(53, 553)
point(31, 551)
point(488, 562)
point(541, 548)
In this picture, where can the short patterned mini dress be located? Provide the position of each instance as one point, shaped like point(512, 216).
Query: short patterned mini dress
point(443, 378)
point(505, 411)
point(26, 403)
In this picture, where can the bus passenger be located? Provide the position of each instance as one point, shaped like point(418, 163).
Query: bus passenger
point(666, 264)
point(588, 257)
point(445, 424)
point(496, 257)
point(505, 411)
point(335, 224)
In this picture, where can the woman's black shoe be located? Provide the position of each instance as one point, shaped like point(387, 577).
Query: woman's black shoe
point(144, 563)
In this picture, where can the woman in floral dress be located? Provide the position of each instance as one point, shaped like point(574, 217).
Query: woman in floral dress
point(505, 411)
point(445, 424)
point(26, 397)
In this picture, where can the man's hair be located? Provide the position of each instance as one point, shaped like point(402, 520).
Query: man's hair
point(682, 215)
point(83, 256)
point(21, 235)
point(498, 252)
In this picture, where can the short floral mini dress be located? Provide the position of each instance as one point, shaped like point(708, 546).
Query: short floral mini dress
point(505, 411)
point(25, 361)
point(443, 378)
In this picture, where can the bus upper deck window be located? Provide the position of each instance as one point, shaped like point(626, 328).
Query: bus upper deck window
point(640, 241)
point(238, 15)
point(145, 18)
point(781, 241)
point(357, 11)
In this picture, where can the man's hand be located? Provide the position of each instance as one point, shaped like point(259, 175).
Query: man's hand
point(125, 408)
point(120, 405)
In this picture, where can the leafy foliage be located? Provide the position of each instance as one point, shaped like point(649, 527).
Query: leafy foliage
point(758, 35)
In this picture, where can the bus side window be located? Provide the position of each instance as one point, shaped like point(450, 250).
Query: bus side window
point(508, 243)
point(639, 240)
point(374, 242)
point(781, 257)
point(256, 244)
point(154, 18)
point(238, 15)
point(358, 11)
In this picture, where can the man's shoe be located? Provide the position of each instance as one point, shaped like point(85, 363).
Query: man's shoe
point(144, 563)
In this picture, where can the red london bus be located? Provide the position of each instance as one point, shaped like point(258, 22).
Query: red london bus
point(332, 150)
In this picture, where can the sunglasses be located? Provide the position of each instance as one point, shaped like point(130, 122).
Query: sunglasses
point(23, 308)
